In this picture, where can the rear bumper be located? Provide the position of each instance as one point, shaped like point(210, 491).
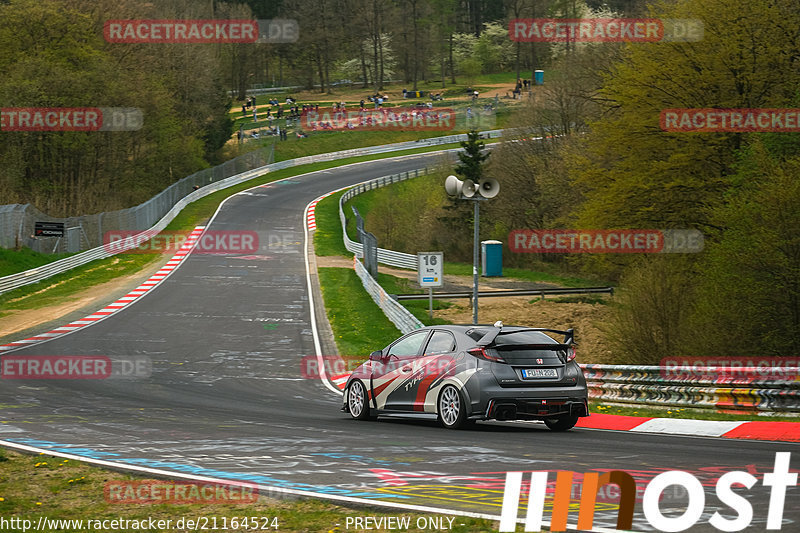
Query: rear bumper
point(500, 408)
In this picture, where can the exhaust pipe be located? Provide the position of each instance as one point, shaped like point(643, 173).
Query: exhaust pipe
point(507, 411)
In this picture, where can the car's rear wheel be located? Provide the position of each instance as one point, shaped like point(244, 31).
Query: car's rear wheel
point(561, 423)
point(357, 401)
point(452, 410)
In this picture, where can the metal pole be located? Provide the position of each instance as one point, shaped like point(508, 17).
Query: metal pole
point(430, 303)
point(475, 245)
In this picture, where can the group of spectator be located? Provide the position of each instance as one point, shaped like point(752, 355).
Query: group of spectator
point(250, 103)
point(521, 85)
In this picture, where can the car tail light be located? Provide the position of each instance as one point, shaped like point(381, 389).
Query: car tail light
point(481, 353)
point(570, 354)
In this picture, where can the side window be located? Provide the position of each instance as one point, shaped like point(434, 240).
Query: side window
point(409, 346)
point(441, 342)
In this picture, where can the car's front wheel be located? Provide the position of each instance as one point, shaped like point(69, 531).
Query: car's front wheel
point(357, 401)
point(561, 423)
point(452, 411)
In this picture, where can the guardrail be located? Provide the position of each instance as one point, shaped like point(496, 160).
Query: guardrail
point(34, 275)
point(721, 388)
point(513, 292)
point(387, 257)
point(399, 315)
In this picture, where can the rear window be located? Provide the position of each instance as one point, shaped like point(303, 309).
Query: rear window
point(514, 349)
point(523, 337)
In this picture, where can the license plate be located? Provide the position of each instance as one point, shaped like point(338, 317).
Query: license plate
point(533, 373)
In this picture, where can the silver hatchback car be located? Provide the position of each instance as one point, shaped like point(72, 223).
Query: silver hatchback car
point(465, 373)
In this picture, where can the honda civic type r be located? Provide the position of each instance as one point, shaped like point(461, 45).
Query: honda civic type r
point(466, 373)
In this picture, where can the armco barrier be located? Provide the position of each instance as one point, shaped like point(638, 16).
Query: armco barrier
point(35, 275)
point(18, 222)
point(399, 315)
point(745, 389)
point(387, 257)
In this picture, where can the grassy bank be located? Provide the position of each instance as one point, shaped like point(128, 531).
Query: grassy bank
point(33, 487)
point(13, 261)
point(328, 242)
point(62, 287)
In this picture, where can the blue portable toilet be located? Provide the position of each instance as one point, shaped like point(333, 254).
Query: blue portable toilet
point(492, 258)
point(538, 77)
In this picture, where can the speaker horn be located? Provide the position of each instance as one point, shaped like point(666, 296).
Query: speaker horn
point(455, 187)
point(469, 188)
point(452, 185)
point(489, 187)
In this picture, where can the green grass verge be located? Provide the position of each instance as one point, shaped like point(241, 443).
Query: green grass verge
point(38, 486)
point(418, 308)
point(680, 412)
point(320, 142)
point(328, 235)
point(359, 325)
point(13, 261)
point(330, 238)
point(63, 287)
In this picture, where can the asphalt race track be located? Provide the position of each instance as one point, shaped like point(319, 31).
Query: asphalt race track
point(226, 398)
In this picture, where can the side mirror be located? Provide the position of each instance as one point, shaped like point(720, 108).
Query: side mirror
point(376, 355)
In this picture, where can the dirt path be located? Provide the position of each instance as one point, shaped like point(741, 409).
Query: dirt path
point(394, 92)
point(18, 324)
point(585, 318)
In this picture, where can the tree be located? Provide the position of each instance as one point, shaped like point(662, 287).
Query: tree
point(472, 158)
point(750, 278)
point(54, 56)
point(635, 174)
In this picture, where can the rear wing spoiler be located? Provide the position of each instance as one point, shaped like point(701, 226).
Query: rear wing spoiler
point(569, 337)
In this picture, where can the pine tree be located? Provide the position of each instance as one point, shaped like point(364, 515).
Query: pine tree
point(472, 158)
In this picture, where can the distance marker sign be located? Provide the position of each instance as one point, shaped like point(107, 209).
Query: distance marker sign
point(429, 269)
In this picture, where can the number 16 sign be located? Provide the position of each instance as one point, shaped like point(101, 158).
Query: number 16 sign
point(429, 269)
